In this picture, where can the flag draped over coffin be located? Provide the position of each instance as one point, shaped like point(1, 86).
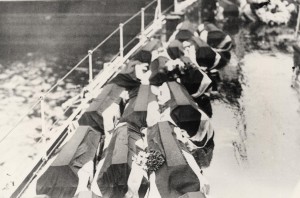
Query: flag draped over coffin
point(174, 177)
point(206, 56)
point(104, 109)
point(61, 180)
point(127, 77)
point(194, 79)
point(175, 49)
point(185, 31)
point(116, 163)
point(145, 54)
point(158, 71)
point(183, 110)
point(135, 112)
point(215, 37)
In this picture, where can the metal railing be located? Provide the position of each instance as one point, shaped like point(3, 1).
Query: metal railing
point(126, 50)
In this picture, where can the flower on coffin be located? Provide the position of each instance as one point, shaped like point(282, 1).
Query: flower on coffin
point(155, 161)
point(173, 64)
point(150, 161)
point(141, 159)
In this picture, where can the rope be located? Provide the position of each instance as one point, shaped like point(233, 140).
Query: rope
point(20, 120)
point(131, 18)
point(109, 36)
point(66, 75)
point(150, 4)
point(130, 42)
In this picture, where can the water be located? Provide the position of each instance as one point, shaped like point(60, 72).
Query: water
point(257, 132)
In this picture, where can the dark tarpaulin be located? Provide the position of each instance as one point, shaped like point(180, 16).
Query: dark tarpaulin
point(174, 178)
point(144, 55)
point(184, 110)
point(93, 115)
point(60, 180)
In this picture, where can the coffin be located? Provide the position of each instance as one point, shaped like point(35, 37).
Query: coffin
point(183, 110)
point(215, 37)
point(135, 112)
point(145, 54)
point(60, 180)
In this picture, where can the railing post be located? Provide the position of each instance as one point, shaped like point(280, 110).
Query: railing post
point(90, 52)
point(298, 23)
point(157, 20)
point(43, 116)
point(175, 6)
point(143, 22)
point(121, 40)
point(159, 8)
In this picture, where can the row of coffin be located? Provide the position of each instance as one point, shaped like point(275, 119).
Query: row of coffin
point(148, 134)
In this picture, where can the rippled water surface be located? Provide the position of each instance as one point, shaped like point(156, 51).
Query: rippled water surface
point(257, 135)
